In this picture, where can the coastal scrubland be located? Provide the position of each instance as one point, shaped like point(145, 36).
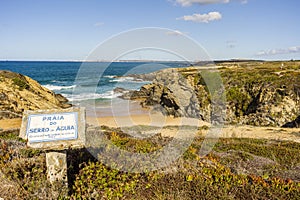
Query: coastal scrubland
point(260, 96)
point(235, 169)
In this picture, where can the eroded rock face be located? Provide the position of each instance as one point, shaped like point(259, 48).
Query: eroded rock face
point(263, 95)
point(257, 97)
point(169, 93)
point(19, 93)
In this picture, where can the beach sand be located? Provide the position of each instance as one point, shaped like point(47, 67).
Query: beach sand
point(167, 128)
point(130, 114)
point(156, 120)
point(7, 124)
point(135, 115)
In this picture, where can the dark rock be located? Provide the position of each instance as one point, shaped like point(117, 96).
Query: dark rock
point(61, 98)
point(171, 94)
point(141, 94)
point(293, 124)
point(120, 90)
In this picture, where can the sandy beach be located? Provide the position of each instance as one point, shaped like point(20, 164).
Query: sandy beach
point(7, 124)
point(166, 125)
point(157, 120)
point(227, 131)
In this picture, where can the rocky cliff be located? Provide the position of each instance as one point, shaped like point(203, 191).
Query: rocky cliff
point(171, 94)
point(259, 93)
point(266, 94)
point(19, 93)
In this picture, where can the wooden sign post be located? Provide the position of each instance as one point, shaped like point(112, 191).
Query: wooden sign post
point(55, 131)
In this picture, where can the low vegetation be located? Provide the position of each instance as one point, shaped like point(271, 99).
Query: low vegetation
point(257, 93)
point(22, 84)
point(235, 169)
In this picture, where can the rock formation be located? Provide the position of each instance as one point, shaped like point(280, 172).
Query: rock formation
point(260, 94)
point(293, 124)
point(170, 93)
point(19, 93)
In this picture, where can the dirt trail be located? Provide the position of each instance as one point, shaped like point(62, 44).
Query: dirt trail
point(230, 131)
point(272, 133)
point(7, 124)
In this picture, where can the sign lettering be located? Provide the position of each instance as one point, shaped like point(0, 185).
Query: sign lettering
point(52, 127)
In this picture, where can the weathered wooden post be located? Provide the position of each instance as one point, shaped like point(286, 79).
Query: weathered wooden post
point(55, 131)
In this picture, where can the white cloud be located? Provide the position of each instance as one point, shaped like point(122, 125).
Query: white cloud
point(272, 52)
point(203, 2)
point(175, 33)
point(202, 18)
point(98, 24)
point(186, 3)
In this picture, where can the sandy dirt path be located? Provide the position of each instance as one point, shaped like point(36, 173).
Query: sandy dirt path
point(228, 131)
point(166, 126)
point(10, 123)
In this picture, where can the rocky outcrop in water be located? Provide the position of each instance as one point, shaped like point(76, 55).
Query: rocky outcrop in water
point(19, 93)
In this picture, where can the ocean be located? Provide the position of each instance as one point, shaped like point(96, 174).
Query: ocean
point(61, 77)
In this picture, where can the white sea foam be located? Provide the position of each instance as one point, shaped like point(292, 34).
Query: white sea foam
point(109, 76)
point(56, 81)
point(123, 79)
point(127, 79)
point(57, 87)
point(92, 96)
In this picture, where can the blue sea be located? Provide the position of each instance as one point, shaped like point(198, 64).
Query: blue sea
point(62, 77)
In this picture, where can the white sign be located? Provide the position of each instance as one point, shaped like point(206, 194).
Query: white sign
point(52, 127)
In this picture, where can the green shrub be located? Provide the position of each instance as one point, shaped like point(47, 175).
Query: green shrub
point(98, 181)
point(241, 99)
point(22, 84)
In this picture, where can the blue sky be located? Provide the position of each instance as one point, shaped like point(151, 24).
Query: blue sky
point(226, 29)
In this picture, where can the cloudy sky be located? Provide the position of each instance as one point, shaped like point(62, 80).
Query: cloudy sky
point(226, 29)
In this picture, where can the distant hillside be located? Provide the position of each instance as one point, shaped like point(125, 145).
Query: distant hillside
point(19, 93)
